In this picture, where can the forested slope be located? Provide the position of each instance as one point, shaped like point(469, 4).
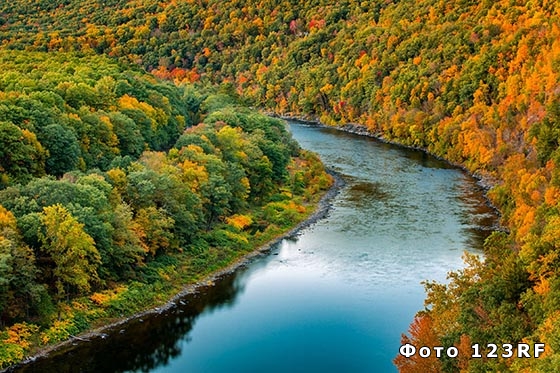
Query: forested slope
point(118, 189)
point(476, 82)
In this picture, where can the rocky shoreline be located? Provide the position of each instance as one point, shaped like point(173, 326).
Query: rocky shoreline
point(322, 209)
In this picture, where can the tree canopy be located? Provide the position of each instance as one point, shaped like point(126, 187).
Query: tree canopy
point(106, 181)
point(474, 82)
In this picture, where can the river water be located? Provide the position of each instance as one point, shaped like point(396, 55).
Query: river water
point(334, 299)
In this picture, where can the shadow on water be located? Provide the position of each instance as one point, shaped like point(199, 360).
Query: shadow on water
point(146, 343)
point(361, 191)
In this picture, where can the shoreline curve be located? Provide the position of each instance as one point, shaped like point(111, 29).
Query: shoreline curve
point(321, 211)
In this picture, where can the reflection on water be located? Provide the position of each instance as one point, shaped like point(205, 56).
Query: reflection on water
point(335, 298)
point(144, 343)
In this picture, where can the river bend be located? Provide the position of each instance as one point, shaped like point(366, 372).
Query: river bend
point(334, 299)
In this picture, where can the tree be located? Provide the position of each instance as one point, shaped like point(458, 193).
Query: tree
point(421, 334)
point(21, 155)
point(154, 230)
point(131, 141)
point(63, 149)
point(71, 249)
point(126, 250)
point(18, 287)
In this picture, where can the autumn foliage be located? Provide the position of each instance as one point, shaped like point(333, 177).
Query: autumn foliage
point(474, 82)
point(109, 194)
point(421, 333)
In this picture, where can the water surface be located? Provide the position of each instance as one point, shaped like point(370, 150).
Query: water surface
point(334, 299)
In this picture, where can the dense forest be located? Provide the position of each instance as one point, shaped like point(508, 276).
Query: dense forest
point(117, 189)
point(475, 82)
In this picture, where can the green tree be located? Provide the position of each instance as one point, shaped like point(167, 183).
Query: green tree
point(21, 155)
point(63, 148)
point(126, 251)
point(18, 288)
point(131, 141)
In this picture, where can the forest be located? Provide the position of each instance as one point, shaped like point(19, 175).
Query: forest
point(118, 188)
point(474, 82)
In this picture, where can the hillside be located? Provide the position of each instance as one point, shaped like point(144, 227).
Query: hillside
point(117, 190)
point(476, 82)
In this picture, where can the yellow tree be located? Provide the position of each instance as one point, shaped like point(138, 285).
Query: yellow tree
point(72, 250)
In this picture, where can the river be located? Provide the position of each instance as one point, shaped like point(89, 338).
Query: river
point(334, 299)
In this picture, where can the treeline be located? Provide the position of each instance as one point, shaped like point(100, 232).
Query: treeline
point(475, 82)
point(111, 199)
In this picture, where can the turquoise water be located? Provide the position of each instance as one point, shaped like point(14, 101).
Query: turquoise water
point(334, 299)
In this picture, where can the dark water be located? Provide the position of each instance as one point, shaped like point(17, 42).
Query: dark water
point(337, 298)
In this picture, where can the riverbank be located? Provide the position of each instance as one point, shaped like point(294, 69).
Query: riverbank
point(320, 211)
